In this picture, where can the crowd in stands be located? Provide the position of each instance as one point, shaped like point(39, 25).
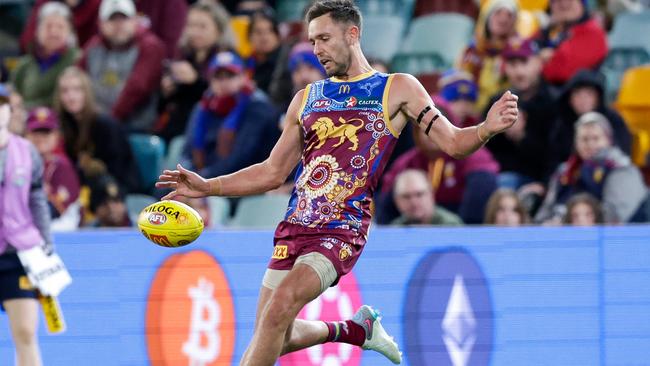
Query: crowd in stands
point(95, 84)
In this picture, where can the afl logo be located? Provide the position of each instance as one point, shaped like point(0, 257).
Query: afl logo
point(157, 218)
point(321, 103)
point(448, 308)
point(350, 102)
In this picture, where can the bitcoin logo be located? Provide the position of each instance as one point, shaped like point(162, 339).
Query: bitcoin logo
point(190, 313)
point(204, 321)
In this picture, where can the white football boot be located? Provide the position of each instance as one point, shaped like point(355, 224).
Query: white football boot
point(376, 337)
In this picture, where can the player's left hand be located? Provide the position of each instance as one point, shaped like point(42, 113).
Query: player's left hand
point(502, 114)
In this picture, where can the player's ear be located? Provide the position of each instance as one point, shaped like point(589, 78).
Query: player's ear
point(353, 34)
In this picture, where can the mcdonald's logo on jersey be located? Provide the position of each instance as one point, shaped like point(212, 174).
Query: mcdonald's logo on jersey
point(344, 89)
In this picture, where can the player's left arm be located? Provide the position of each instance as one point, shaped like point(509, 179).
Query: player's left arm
point(408, 97)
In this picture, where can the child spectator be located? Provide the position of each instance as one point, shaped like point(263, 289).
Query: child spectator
point(583, 209)
point(60, 179)
point(505, 209)
point(107, 204)
point(460, 93)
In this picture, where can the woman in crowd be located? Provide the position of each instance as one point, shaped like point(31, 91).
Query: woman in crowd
point(495, 27)
point(93, 141)
point(207, 32)
point(505, 209)
point(264, 36)
point(601, 169)
point(37, 72)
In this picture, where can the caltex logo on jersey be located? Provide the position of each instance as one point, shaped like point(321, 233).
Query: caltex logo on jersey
point(321, 103)
point(350, 102)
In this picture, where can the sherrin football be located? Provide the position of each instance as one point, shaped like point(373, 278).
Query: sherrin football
point(170, 223)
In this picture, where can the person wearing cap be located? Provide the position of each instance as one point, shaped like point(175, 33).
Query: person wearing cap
point(234, 125)
point(573, 40)
point(60, 179)
point(36, 73)
point(125, 65)
point(460, 93)
point(25, 225)
point(522, 151)
point(495, 26)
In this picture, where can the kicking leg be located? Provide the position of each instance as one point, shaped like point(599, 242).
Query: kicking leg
point(300, 286)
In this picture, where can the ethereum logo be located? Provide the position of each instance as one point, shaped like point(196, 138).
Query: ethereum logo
point(459, 324)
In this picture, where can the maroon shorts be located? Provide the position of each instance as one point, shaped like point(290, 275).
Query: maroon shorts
point(341, 247)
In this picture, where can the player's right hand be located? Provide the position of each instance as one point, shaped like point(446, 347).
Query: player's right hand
point(184, 183)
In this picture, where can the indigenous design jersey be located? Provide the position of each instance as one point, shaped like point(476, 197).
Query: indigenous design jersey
point(348, 140)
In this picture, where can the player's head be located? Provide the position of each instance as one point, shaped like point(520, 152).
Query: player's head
point(334, 28)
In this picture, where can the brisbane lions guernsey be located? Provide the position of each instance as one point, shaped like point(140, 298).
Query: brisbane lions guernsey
point(348, 139)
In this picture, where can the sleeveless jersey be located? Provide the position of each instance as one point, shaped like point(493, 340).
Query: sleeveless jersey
point(347, 142)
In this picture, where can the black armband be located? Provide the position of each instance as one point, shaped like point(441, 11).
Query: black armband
point(424, 111)
point(431, 123)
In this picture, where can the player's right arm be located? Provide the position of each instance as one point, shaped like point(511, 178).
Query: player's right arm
point(255, 179)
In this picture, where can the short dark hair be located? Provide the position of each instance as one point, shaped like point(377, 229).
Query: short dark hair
point(341, 11)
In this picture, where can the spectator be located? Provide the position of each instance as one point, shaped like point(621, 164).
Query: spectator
point(125, 66)
point(523, 149)
point(416, 204)
point(107, 204)
point(304, 68)
point(60, 179)
point(264, 36)
point(583, 209)
point(93, 141)
point(572, 41)
point(235, 126)
point(461, 186)
point(84, 21)
point(165, 21)
point(598, 168)
point(460, 93)
point(505, 209)
point(482, 58)
point(36, 74)
point(584, 93)
point(25, 225)
point(207, 32)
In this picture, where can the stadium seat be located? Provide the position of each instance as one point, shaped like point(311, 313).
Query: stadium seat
point(533, 5)
point(627, 31)
point(291, 10)
point(418, 63)
point(219, 211)
point(634, 105)
point(434, 38)
point(617, 62)
point(382, 35)
point(263, 211)
point(400, 8)
point(149, 152)
point(135, 202)
point(174, 152)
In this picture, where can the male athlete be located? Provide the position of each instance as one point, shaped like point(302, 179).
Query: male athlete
point(341, 131)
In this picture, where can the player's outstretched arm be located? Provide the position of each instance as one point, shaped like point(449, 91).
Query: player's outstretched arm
point(416, 104)
point(255, 179)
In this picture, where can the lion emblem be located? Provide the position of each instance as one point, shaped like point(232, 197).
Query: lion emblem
point(325, 129)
